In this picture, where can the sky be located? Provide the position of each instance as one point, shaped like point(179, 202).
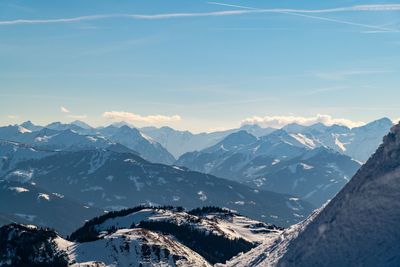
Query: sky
point(199, 65)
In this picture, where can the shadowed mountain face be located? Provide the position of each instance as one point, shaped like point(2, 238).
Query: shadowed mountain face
point(110, 180)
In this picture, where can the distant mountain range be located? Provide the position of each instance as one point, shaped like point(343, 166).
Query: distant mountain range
point(358, 143)
point(180, 142)
point(313, 163)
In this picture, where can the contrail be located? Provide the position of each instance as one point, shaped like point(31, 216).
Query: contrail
point(243, 10)
point(306, 13)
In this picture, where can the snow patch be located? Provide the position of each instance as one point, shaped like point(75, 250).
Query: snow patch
point(202, 196)
point(43, 196)
point(18, 189)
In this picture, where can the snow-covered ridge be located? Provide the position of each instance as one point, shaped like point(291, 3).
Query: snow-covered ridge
point(219, 222)
point(132, 247)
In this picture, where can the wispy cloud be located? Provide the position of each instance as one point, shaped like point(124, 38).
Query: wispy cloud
point(280, 121)
point(64, 109)
point(241, 11)
point(131, 117)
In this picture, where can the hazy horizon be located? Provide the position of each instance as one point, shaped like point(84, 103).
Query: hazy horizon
point(275, 123)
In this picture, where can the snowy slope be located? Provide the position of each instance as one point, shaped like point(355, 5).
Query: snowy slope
point(359, 227)
point(132, 247)
point(214, 233)
point(26, 245)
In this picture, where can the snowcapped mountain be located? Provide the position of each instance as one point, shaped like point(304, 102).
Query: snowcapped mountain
point(359, 227)
point(140, 142)
point(281, 162)
point(27, 203)
point(359, 143)
point(114, 180)
point(140, 236)
point(180, 142)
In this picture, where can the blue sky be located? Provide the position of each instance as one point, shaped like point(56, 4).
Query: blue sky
point(199, 65)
